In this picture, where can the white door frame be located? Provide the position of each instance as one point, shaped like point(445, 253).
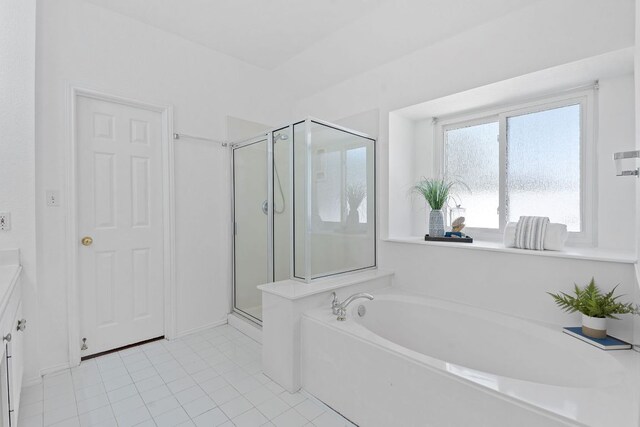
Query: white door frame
point(73, 236)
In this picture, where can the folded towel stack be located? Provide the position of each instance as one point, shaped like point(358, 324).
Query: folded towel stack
point(530, 232)
point(555, 236)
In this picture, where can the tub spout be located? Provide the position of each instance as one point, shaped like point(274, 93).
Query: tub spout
point(340, 308)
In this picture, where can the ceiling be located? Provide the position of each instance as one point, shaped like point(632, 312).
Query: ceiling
point(314, 43)
point(265, 33)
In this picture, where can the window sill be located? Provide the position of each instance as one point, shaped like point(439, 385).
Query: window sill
point(589, 254)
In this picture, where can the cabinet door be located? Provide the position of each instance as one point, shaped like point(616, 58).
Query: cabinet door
point(4, 385)
point(16, 366)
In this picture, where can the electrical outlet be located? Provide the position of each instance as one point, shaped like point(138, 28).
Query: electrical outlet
point(53, 197)
point(5, 221)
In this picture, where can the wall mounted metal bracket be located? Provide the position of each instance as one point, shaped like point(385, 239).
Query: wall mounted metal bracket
point(617, 157)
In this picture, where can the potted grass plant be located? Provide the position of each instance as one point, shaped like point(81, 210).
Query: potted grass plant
point(436, 192)
point(596, 307)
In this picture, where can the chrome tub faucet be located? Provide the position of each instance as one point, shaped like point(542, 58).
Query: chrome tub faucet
point(340, 308)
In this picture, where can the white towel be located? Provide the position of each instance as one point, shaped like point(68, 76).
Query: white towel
point(554, 239)
point(530, 232)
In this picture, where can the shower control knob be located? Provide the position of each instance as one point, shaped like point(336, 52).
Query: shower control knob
point(7, 338)
point(22, 325)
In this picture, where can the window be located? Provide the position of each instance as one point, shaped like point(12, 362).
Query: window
point(531, 159)
point(472, 156)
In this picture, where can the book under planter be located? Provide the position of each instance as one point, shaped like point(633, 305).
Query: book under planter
point(607, 343)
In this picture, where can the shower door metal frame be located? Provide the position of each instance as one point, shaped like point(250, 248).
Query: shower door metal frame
point(268, 137)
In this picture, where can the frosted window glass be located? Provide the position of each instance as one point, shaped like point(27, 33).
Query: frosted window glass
point(543, 165)
point(472, 156)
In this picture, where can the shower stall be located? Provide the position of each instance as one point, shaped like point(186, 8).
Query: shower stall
point(303, 207)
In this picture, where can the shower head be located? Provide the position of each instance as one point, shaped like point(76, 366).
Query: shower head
point(282, 136)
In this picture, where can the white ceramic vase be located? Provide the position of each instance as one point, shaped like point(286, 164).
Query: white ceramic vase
point(594, 327)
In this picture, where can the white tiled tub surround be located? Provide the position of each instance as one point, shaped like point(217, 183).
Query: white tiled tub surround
point(476, 367)
point(212, 378)
point(283, 304)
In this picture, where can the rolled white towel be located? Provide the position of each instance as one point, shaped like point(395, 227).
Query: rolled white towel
point(509, 238)
point(554, 239)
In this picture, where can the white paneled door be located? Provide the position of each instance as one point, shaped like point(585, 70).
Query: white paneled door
point(120, 223)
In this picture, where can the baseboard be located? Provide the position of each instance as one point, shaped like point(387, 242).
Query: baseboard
point(245, 326)
point(53, 369)
point(28, 382)
point(201, 328)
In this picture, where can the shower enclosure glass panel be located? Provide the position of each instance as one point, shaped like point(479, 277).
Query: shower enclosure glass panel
point(251, 266)
point(334, 226)
point(282, 212)
point(303, 207)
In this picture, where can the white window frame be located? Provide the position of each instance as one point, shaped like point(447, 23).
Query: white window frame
point(587, 99)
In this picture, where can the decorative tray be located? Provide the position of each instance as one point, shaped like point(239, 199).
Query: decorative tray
point(466, 239)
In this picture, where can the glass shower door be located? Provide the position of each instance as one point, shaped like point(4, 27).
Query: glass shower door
point(251, 222)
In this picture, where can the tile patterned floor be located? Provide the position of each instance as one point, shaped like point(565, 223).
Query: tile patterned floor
point(212, 378)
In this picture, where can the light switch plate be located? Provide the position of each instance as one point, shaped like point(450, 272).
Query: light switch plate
point(53, 197)
point(5, 221)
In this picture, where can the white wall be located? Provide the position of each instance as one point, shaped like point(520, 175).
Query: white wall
point(516, 44)
point(401, 161)
point(202, 234)
point(17, 147)
point(81, 44)
point(410, 160)
point(616, 195)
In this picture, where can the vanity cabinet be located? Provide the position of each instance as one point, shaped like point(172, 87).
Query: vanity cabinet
point(12, 330)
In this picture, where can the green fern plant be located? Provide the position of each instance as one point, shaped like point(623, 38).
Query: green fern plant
point(592, 302)
point(435, 191)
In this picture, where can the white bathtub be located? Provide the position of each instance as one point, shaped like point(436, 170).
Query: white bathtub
point(415, 361)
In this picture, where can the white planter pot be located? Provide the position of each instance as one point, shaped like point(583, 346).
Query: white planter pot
point(594, 327)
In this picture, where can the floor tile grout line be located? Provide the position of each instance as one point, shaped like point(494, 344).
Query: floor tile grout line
point(185, 352)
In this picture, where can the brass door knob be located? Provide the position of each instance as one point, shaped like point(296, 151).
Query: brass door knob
point(87, 241)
